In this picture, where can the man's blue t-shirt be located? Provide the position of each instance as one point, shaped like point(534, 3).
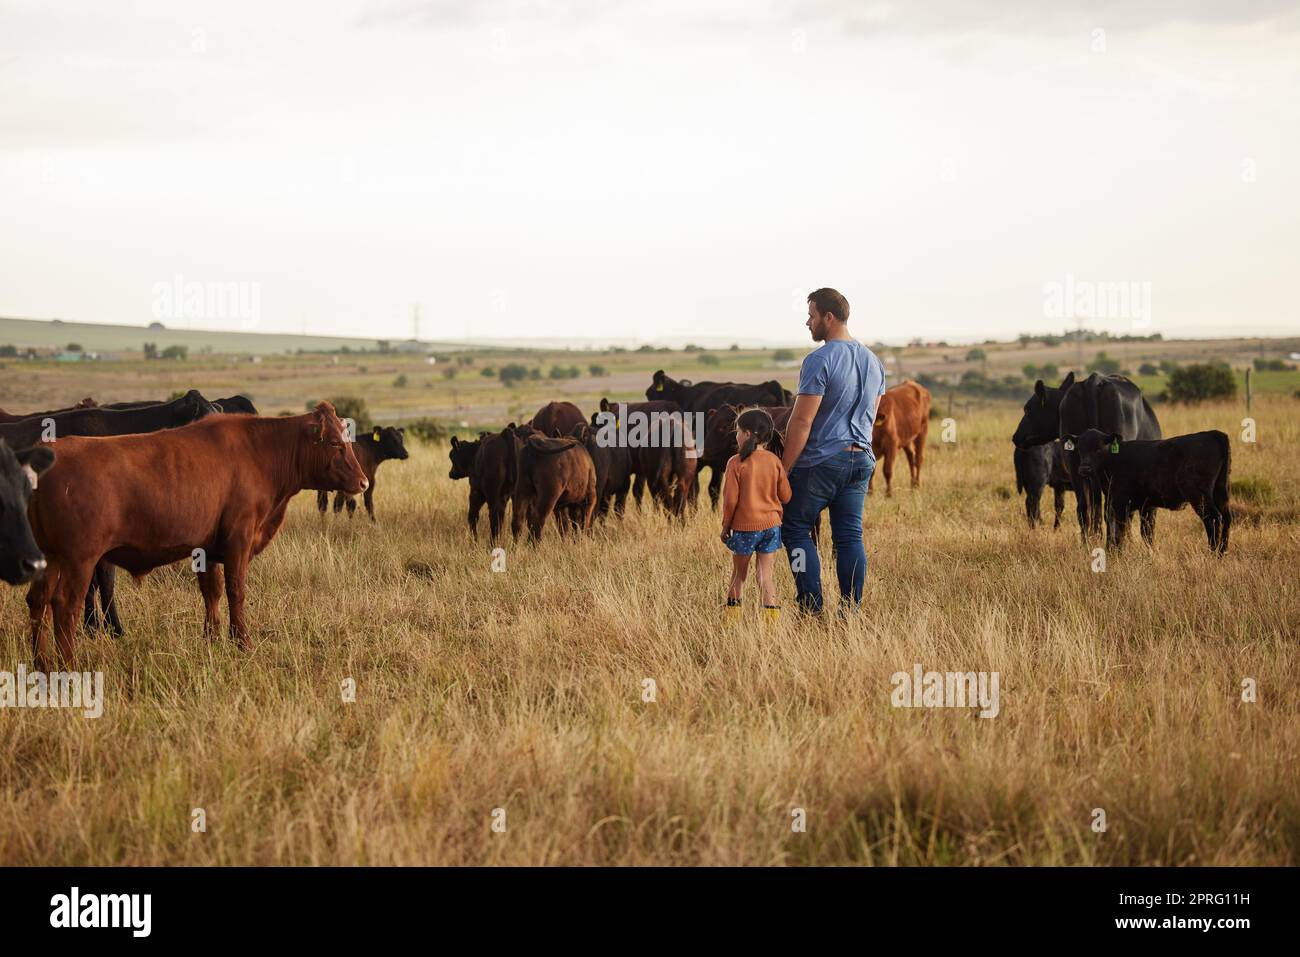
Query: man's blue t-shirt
point(850, 379)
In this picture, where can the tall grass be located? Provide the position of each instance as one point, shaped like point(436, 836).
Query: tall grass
point(523, 690)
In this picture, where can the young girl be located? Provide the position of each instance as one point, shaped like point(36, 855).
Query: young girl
point(753, 490)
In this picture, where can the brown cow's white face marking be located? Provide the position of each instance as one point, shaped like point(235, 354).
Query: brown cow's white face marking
point(31, 476)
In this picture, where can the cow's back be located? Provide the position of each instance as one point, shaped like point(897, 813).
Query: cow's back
point(1110, 403)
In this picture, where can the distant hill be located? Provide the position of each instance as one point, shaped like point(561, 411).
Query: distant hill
point(93, 337)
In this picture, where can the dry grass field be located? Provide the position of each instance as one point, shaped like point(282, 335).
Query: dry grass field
point(523, 689)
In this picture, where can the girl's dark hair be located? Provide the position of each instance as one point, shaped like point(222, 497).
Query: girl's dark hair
point(760, 428)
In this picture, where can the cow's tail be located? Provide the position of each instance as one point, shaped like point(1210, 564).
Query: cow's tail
point(1221, 484)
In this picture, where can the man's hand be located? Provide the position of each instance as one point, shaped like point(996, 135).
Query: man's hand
point(798, 428)
point(726, 534)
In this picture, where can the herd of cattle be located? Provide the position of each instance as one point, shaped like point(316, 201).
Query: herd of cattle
point(139, 485)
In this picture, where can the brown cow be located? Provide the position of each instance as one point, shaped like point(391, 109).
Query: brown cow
point(141, 501)
point(554, 475)
point(557, 418)
point(902, 422)
point(720, 440)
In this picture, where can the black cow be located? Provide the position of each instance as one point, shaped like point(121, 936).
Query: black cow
point(234, 405)
point(702, 396)
point(613, 467)
point(20, 558)
point(1143, 475)
point(1109, 403)
point(490, 462)
point(667, 462)
point(1039, 467)
point(372, 450)
point(166, 415)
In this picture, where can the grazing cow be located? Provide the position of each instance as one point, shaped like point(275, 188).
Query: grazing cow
point(720, 441)
point(1039, 467)
point(141, 501)
point(6, 417)
point(613, 467)
point(78, 422)
point(1143, 474)
point(557, 418)
point(554, 475)
point(665, 458)
point(234, 405)
point(902, 422)
point(371, 450)
point(489, 462)
point(20, 559)
point(1109, 403)
point(702, 396)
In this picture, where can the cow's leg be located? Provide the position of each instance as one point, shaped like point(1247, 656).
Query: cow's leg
point(351, 501)
point(322, 501)
point(887, 467)
point(638, 489)
point(541, 510)
point(1147, 522)
point(1117, 516)
point(518, 512)
point(211, 586)
point(620, 501)
point(91, 616)
point(1032, 495)
point(475, 506)
point(237, 558)
point(1058, 503)
point(105, 577)
point(496, 518)
point(67, 603)
point(715, 484)
point(369, 499)
point(38, 601)
point(1081, 508)
point(1225, 511)
point(339, 499)
point(918, 456)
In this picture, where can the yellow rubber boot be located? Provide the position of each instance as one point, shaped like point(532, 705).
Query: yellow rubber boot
point(771, 614)
point(732, 614)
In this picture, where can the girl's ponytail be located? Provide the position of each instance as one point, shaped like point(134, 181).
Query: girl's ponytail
point(759, 425)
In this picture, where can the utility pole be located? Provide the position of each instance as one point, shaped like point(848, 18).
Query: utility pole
point(415, 321)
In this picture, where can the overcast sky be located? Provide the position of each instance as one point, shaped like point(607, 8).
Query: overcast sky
point(682, 168)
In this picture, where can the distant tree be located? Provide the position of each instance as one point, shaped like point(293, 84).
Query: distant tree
point(449, 372)
point(176, 352)
point(8, 351)
point(734, 347)
point(708, 359)
point(488, 372)
point(76, 347)
point(349, 407)
point(1270, 365)
point(1147, 368)
point(150, 350)
point(692, 347)
point(384, 345)
point(1104, 364)
point(400, 382)
point(512, 373)
point(976, 355)
point(1025, 339)
point(646, 348)
point(535, 373)
point(783, 355)
point(1201, 381)
point(597, 370)
point(156, 327)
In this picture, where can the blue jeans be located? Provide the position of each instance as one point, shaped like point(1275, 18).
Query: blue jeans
point(840, 485)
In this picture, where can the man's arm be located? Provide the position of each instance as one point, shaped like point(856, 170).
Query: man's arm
point(800, 424)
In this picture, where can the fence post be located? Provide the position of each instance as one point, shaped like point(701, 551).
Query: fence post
point(1248, 393)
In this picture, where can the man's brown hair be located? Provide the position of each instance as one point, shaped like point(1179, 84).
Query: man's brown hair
point(829, 300)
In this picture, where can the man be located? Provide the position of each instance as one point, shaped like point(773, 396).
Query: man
point(828, 451)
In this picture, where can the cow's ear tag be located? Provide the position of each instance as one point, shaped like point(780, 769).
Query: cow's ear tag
point(1069, 446)
point(1114, 448)
point(31, 476)
point(1042, 400)
point(659, 387)
point(375, 435)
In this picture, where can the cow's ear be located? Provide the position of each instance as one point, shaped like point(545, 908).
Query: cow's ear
point(1068, 380)
point(1069, 442)
point(1040, 391)
point(454, 441)
point(38, 459)
point(604, 404)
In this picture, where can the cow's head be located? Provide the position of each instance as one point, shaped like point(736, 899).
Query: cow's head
point(87, 403)
point(1041, 422)
point(192, 406)
point(20, 559)
point(720, 433)
point(665, 387)
point(883, 425)
point(462, 455)
point(236, 405)
point(390, 443)
point(1089, 455)
point(582, 432)
point(331, 463)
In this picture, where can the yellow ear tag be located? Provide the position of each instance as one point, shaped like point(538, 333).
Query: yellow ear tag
point(375, 435)
point(1114, 448)
point(659, 387)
